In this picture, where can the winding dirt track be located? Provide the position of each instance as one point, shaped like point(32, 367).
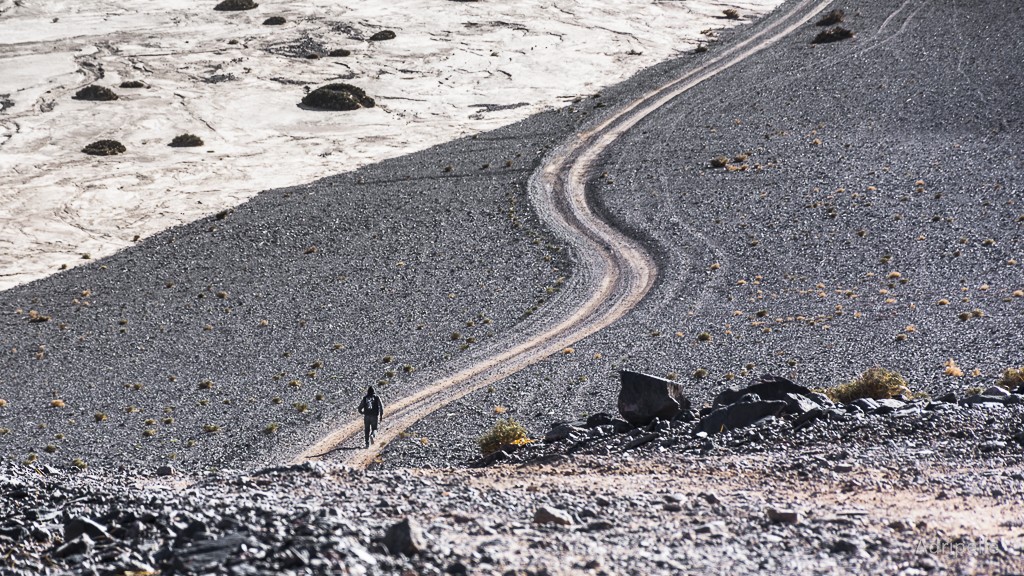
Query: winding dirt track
point(614, 271)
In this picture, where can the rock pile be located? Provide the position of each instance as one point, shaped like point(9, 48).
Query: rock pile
point(770, 410)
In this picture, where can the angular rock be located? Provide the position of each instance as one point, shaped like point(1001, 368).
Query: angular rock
point(982, 399)
point(549, 515)
point(561, 432)
point(996, 392)
point(642, 398)
point(846, 546)
point(715, 528)
point(639, 441)
point(865, 404)
point(80, 545)
point(75, 527)
point(769, 387)
point(165, 470)
point(891, 403)
point(785, 516)
point(658, 425)
point(206, 556)
point(599, 419)
point(744, 412)
point(405, 537)
point(798, 404)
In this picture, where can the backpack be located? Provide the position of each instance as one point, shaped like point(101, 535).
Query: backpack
point(369, 406)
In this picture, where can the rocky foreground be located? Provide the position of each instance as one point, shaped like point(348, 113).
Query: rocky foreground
point(894, 485)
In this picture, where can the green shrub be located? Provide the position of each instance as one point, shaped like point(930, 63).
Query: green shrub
point(338, 97)
point(506, 432)
point(876, 383)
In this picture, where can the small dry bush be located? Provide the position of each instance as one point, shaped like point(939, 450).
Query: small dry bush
point(832, 35)
point(506, 432)
point(876, 383)
point(832, 18)
point(1012, 378)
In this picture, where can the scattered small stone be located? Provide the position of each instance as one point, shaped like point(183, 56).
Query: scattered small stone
point(783, 516)
point(846, 546)
point(549, 515)
point(405, 537)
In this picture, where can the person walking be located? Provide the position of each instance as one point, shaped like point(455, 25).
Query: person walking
point(372, 410)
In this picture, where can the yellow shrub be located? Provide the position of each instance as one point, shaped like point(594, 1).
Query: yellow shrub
point(1012, 378)
point(875, 383)
point(506, 432)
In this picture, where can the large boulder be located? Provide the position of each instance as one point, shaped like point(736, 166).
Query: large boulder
point(643, 398)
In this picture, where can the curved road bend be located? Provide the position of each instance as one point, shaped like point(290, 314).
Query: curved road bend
point(614, 270)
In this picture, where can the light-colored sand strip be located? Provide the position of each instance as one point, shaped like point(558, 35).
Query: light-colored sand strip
point(455, 68)
point(615, 270)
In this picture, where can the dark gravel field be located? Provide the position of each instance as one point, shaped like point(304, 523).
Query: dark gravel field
point(815, 211)
point(399, 272)
point(871, 212)
point(189, 345)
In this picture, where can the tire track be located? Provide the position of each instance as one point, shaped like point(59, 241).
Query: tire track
point(615, 272)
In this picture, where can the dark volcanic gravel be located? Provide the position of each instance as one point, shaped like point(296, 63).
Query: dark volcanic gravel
point(699, 507)
point(300, 297)
point(879, 200)
point(866, 180)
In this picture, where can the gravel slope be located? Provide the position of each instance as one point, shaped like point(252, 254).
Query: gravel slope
point(883, 177)
point(334, 278)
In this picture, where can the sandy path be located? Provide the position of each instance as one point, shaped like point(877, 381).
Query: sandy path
point(460, 69)
point(615, 271)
